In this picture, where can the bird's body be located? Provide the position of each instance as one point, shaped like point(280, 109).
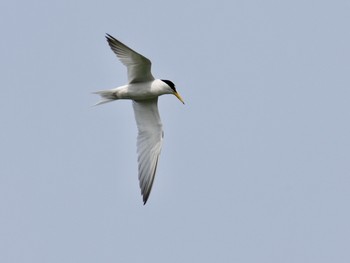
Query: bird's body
point(144, 91)
point(135, 91)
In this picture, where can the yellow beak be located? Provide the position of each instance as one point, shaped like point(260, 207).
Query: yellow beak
point(177, 95)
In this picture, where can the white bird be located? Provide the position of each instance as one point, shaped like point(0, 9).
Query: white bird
point(144, 91)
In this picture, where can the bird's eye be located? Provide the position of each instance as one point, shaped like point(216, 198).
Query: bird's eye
point(170, 84)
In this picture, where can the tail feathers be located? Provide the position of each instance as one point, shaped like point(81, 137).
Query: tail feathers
point(106, 96)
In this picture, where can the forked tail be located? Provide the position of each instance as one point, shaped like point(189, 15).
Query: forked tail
point(106, 96)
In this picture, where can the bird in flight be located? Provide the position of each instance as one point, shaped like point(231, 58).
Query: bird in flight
point(143, 89)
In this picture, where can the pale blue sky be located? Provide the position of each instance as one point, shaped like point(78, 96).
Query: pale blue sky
point(254, 168)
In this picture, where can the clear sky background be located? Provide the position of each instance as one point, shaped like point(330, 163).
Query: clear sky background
point(254, 168)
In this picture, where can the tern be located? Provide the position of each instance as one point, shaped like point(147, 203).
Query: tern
point(143, 89)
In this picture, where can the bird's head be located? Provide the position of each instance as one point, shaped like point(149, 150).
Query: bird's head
point(173, 91)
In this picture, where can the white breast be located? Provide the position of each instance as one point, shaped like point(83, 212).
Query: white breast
point(142, 90)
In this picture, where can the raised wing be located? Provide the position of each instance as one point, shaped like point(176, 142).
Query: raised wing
point(139, 67)
point(149, 142)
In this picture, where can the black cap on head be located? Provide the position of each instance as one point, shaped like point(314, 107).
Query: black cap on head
point(170, 84)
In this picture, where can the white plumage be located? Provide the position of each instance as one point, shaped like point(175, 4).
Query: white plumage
point(144, 90)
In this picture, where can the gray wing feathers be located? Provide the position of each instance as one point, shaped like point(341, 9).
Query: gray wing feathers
point(149, 142)
point(139, 67)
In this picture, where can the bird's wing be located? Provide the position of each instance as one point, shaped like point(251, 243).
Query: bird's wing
point(149, 142)
point(139, 67)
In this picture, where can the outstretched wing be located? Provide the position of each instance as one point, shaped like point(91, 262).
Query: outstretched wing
point(139, 67)
point(149, 142)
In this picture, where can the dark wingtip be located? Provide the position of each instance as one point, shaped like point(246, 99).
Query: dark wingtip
point(145, 198)
point(111, 40)
point(144, 201)
point(109, 37)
